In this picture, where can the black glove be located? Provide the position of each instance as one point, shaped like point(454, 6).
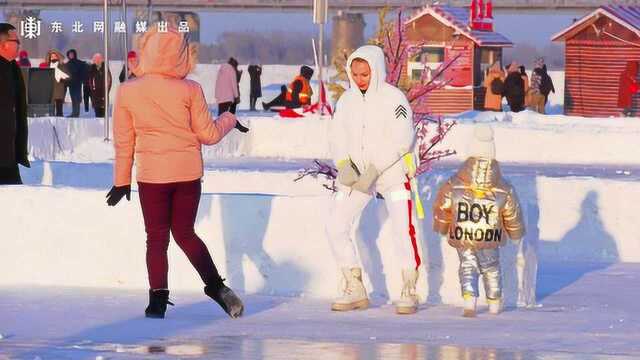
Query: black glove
point(116, 193)
point(240, 127)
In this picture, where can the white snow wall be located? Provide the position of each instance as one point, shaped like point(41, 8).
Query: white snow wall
point(275, 244)
point(527, 138)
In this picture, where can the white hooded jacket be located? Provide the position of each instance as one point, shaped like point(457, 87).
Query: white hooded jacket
point(375, 127)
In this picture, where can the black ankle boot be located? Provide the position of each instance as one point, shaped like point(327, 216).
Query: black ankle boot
point(158, 300)
point(226, 298)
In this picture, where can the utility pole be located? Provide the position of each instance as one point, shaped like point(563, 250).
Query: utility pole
point(107, 28)
point(320, 10)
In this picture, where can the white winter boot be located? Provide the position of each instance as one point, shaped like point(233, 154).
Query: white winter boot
point(354, 295)
point(495, 306)
point(408, 303)
point(469, 305)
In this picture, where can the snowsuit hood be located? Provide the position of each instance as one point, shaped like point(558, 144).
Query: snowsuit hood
point(480, 173)
point(374, 56)
point(167, 54)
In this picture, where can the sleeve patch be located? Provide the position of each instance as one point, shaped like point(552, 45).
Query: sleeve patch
point(401, 111)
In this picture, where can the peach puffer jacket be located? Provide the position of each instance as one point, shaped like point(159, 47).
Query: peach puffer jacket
point(163, 118)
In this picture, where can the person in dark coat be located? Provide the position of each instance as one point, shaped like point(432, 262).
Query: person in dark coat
point(298, 93)
point(78, 71)
point(13, 109)
point(54, 60)
point(233, 62)
point(86, 88)
point(514, 88)
point(628, 87)
point(551, 87)
point(96, 82)
point(132, 64)
point(255, 72)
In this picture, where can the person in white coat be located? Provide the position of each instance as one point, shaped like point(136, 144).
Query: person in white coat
point(372, 139)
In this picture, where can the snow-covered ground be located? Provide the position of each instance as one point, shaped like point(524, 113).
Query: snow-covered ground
point(66, 255)
point(588, 312)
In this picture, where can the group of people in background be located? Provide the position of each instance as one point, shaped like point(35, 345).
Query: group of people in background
point(227, 91)
point(84, 81)
point(520, 90)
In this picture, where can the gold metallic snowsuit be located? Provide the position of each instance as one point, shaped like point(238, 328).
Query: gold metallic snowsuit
point(474, 208)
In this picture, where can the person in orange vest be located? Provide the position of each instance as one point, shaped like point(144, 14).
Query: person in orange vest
point(297, 94)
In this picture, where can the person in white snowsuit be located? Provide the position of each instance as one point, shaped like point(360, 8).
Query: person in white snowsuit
point(372, 139)
point(475, 210)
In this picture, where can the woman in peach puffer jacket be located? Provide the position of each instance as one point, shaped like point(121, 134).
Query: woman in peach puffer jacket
point(162, 119)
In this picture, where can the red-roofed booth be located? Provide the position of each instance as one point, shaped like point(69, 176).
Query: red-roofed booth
point(597, 48)
point(444, 32)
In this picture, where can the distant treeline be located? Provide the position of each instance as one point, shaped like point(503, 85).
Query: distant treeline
point(525, 54)
point(274, 47)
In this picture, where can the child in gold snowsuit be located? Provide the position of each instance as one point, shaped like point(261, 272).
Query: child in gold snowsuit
point(476, 209)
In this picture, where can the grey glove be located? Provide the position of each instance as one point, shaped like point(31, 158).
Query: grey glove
point(367, 179)
point(347, 173)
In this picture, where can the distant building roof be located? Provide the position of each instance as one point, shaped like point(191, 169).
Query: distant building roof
point(458, 18)
point(627, 16)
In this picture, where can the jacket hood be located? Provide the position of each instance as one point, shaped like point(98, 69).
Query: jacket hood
point(375, 57)
point(165, 53)
point(479, 172)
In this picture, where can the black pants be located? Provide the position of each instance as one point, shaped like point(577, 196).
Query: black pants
point(59, 104)
point(10, 175)
point(87, 97)
point(281, 100)
point(252, 103)
point(99, 112)
point(226, 106)
point(516, 104)
point(76, 99)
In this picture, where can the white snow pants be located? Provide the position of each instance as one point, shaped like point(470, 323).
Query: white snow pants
point(347, 207)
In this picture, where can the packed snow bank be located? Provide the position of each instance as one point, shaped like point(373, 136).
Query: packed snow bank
point(525, 137)
point(267, 235)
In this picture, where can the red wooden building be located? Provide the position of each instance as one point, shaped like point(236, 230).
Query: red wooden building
point(597, 48)
point(443, 32)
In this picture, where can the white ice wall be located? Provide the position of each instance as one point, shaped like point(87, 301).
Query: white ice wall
point(65, 235)
point(520, 138)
